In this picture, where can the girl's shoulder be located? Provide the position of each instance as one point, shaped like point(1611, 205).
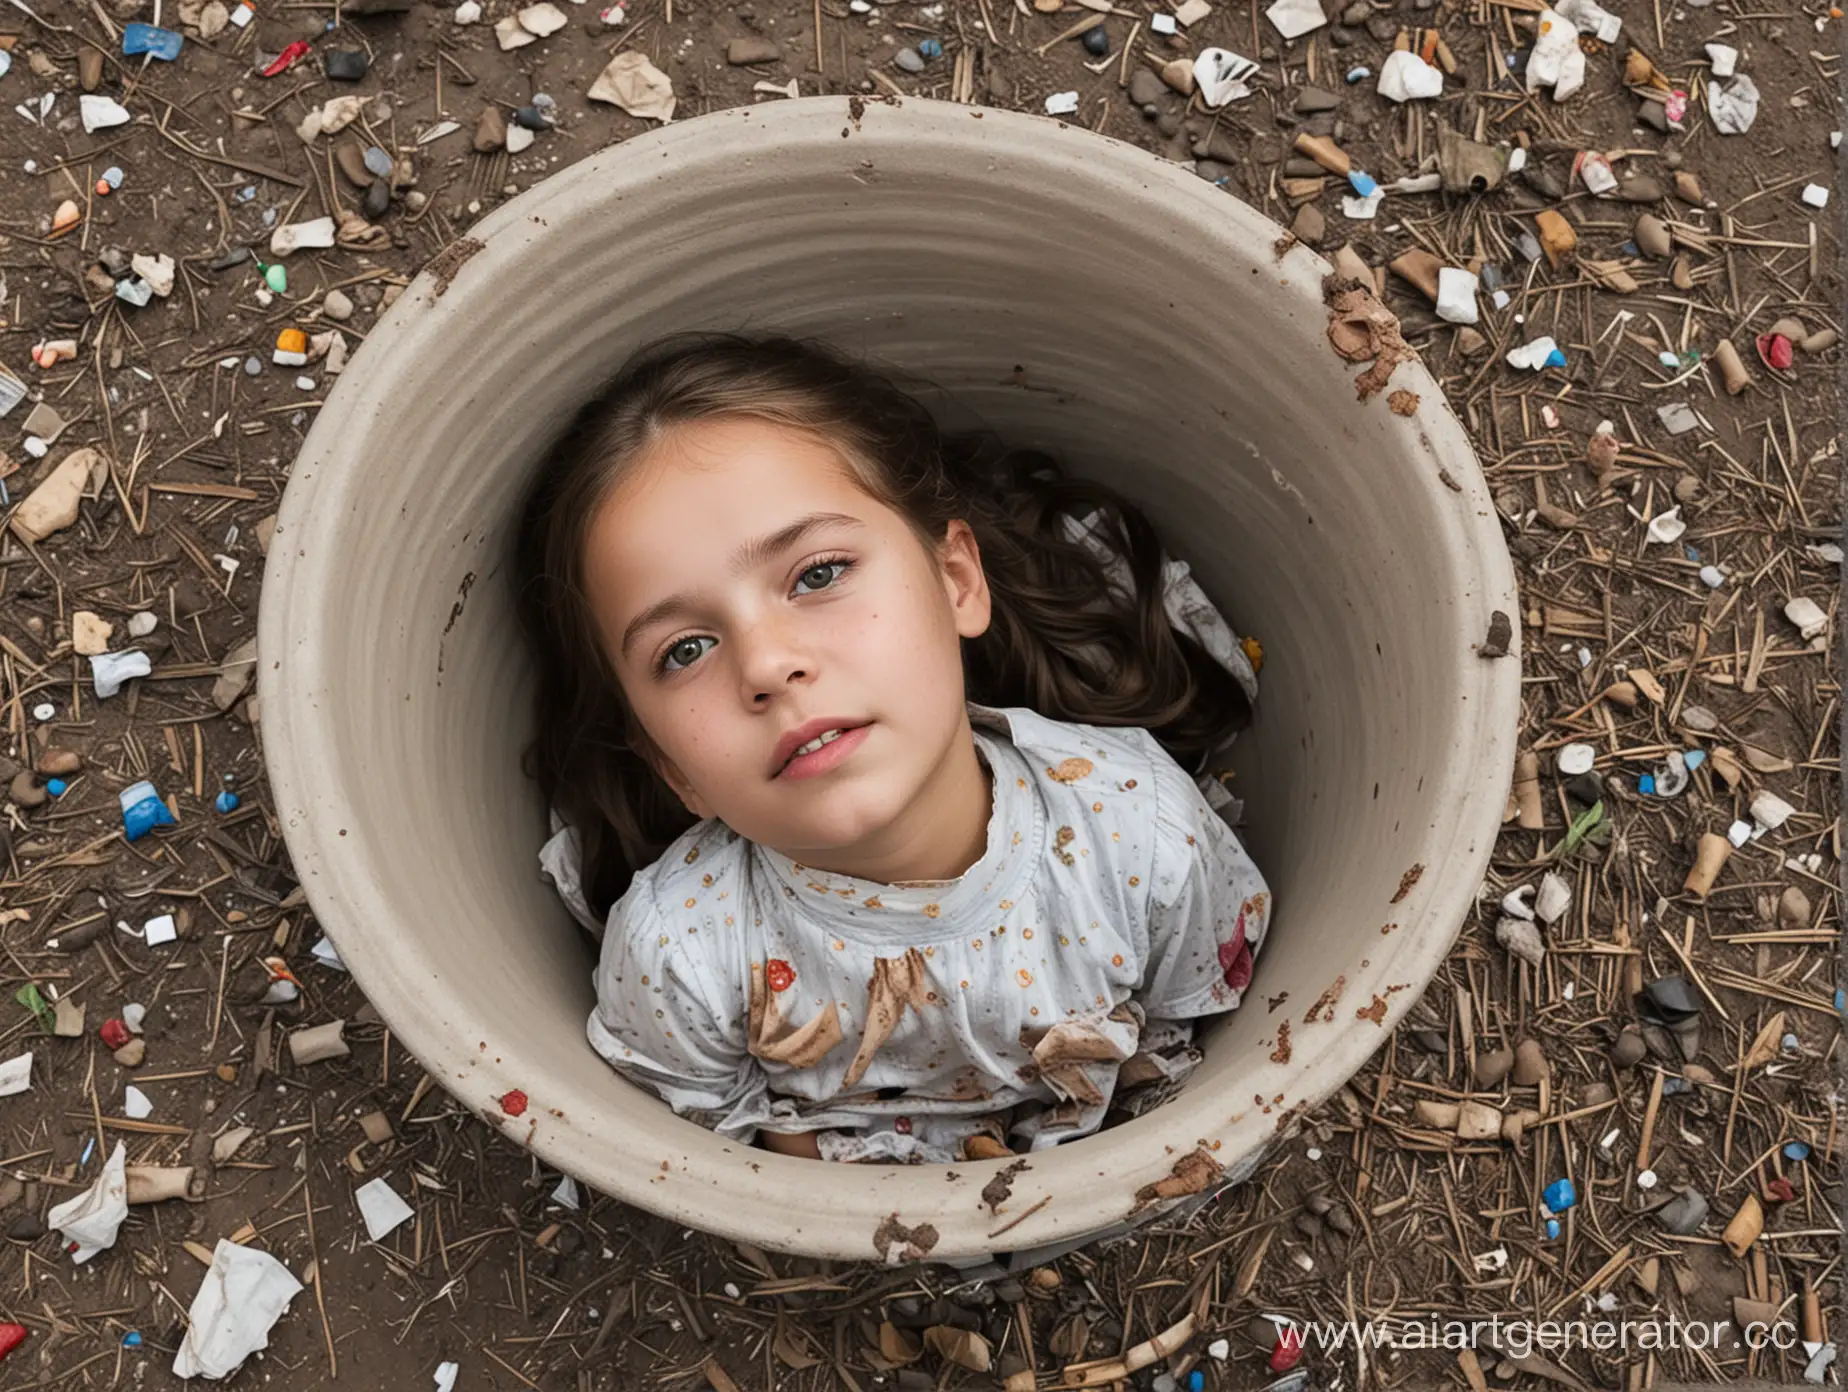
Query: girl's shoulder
point(705, 866)
point(1070, 761)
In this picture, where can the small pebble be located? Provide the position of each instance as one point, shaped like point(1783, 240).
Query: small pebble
point(253, 366)
point(1097, 41)
point(337, 306)
point(909, 59)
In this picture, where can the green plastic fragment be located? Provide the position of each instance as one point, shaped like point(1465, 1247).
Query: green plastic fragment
point(276, 277)
point(28, 996)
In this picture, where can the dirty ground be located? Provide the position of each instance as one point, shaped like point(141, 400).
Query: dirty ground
point(1679, 584)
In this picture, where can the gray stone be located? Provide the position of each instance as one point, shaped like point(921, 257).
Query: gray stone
point(1309, 225)
point(1145, 88)
point(1310, 100)
point(739, 52)
point(1356, 14)
point(909, 59)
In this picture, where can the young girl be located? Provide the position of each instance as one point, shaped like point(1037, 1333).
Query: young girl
point(862, 743)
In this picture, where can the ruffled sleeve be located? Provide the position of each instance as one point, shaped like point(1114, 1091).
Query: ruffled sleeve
point(663, 1022)
point(1209, 906)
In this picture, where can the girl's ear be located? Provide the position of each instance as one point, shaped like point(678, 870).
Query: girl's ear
point(959, 561)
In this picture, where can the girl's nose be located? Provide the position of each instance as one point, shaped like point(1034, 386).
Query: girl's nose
point(773, 661)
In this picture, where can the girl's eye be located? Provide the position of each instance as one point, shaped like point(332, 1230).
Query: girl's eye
point(685, 653)
point(820, 575)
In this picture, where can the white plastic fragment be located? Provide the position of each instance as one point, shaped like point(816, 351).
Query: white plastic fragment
point(1667, 527)
point(381, 1208)
point(1596, 171)
point(1404, 76)
point(1770, 812)
point(109, 670)
point(1418, 183)
point(1514, 903)
point(1712, 577)
point(1824, 553)
point(327, 955)
point(159, 931)
point(1807, 615)
point(1592, 18)
point(16, 1074)
point(100, 113)
point(1164, 23)
point(1061, 103)
point(565, 1192)
point(1456, 296)
point(1678, 418)
point(1734, 105)
point(446, 1376)
point(1533, 355)
point(1816, 195)
point(1356, 208)
point(1739, 833)
point(135, 1103)
point(1574, 759)
point(468, 12)
point(1556, 60)
point(1522, 939)
point(134, 1016)
point(1724, 58)
point(542, 20)
point(1646, 1179)
point(1494, 1260)
point(244, 1293)
point(1294, 18)
point(1220, 75)
point(1517, 159)
point(1219, 1350)
point(294, 236)
point(1554, 898)
point(90, 1221)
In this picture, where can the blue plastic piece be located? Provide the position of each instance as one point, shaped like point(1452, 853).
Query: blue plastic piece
point(1646, 785)
point(1552, 1227)
point(226, 801)
point(1556, 358)
point(1841, 1001)
point(1358, 75)
point(132, 1339)
point(1795, 1150)
point(930, 48)
point(156, 43)
point(89, 1146)
point(1363, 183)
point(1560, 1195)
point(1196, 1380)
point(56, 786)
point(142, 810)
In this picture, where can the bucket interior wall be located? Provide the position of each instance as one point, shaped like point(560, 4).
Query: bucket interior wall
point(1072, 293)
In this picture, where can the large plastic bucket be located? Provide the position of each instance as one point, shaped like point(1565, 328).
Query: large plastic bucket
point(1076, 293)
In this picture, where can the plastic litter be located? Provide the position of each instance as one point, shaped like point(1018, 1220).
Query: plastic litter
point(143, 810)
point(1574, 759)
point(1220, 76)
point(1683, 1214)
point(1404, 76)
point(287, 59)
point(135, 1103)
point(90, 1221)
point(227, 801)
point(381, 1208)
point(1357, 209)
point(1769, 812)
point(327, 955)
point(1816, 195)
point(1796, 1150)
point(1807, 615)
point(1294, 18)
point(446, 1374)
point(565, 1192)
point(295, 236)
point(100, 113)
point(1362, 182)
point(156, 43)
point(109, 670)
point(1537, 354)
point(1595, 170)
point(1552, 1228)
point(11, 1335)
point(1456, 296)
point(1724, 58)
point(1514, 902)
point(114, 1033)
point(1560, 1195)
point(1678, 418)
point(16, 1074)
point(1061, 103)
point(636, 85)
point(244, 1293)
point(1592, 18)
point(1733, 106)
point(1556, 60)
point(1554, 898)
point(1666, 527)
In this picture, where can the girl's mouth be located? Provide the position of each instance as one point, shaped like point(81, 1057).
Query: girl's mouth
point(826, 751)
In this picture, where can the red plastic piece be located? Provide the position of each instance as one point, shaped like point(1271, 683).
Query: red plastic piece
point(1779, 1190)
point(287, 59)
point(11, 1337)
point(115, 1033)
point(1776, 351)
point(514, 1103)
point(1289, 1350)
point(780, 975)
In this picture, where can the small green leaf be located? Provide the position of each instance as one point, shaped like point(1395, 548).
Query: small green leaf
point(1583, 826)
point(28, 996)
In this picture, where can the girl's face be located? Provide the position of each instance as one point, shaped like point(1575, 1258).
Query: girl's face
point(754, 599)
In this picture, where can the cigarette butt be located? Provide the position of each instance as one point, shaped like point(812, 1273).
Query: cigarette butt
point(325, 1042)
point(1732, 371)
point(152, 1183)
point(1427, 48)
point(1325, 153)
point(1478, 1121)
point(1746, 1224)
point(1707, 862)
point(1622, 693)
point(1527, 792)
point(1445, 58)
point(1812, 1314)
point(1441, 1116)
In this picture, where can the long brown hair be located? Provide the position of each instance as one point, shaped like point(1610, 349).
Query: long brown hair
point(1062, 640)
